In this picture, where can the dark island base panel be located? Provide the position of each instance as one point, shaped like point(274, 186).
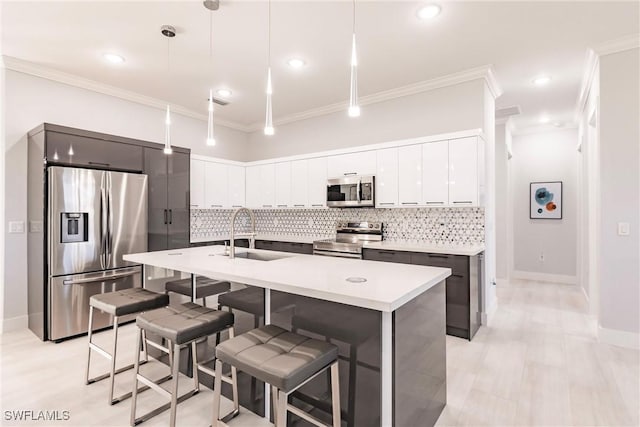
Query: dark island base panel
point(419, 360)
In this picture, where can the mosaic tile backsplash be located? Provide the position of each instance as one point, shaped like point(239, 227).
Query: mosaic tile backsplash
point(453, 226)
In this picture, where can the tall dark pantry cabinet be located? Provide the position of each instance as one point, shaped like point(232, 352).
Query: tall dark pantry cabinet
point(168, 198)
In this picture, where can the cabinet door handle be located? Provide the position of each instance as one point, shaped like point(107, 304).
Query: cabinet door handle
point(387, 204)
point(165, 216)
point(236, 206)
point(436, 203)
point(409, 203)
point(282, 206)
point(216, 206)
point(170, 216)
point(387, 253)
point(469, 202)
point(317, 205)
point(194, 206)
point(350, 173)
point(267, 206)
point(439, 256)
point(100, 164)
point(299, 206)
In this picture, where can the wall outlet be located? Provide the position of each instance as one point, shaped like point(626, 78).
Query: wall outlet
point(541, 258)
point(16, 226)
point(623, 229)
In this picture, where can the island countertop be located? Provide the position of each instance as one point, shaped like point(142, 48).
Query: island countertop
point(388, 286)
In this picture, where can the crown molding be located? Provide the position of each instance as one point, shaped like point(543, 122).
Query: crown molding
point(485, 72)
point(632, 41)
point(27, 67)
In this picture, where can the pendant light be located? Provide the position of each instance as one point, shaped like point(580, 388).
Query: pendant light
point(211, 140)
point(268, 125)
point(169, 32)
point(354, 108)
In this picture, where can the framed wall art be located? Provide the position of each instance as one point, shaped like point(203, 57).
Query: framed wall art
point(545, 200)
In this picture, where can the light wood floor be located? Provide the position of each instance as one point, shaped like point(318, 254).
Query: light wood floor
point(537, 363)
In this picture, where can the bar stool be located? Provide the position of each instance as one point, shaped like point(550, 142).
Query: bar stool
point(117, 304)
point(286, 361)
point(251, 300)
point(180, 325)
point(205, 287)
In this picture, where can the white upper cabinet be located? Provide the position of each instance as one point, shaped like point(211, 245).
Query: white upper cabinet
point(253, 188)
point(410, 175)
point(463, 172)
point(197, 199)
point(435, 173)
point(362, 163)
point(236, 186)
point(299, 184)
point(268, 185)
point(283, 184)
point(216, 184)
point(317, 182)
point(387, 178)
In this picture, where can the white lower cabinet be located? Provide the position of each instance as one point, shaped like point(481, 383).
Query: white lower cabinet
point(196, 179)
point(236, 186)
point(299, 183)
point(410, 175)
point(283, 184)
point(317, 182)
point(387, 178)
point(435, 174)
point(463, 172)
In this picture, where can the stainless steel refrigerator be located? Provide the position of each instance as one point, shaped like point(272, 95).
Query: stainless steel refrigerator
point(94, 217)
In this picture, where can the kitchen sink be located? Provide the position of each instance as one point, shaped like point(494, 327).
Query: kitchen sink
point(259, 256)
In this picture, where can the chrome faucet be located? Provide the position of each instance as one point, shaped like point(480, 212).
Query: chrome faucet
point(251, 235)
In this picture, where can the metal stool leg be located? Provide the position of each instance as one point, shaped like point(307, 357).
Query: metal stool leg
point(136, 370)
point(335, 394)
point(112, 372)
point(90, 334)
point(217, 392)
point(282, 409)
point(174, 391)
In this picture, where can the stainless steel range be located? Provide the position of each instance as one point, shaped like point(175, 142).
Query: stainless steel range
point(350, 237)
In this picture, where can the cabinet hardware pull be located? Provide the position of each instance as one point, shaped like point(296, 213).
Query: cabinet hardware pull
point(387, 252)
point(236, 206)
point(282, 206)
point(464, 201)
point(216, 206)
point(409, 203)
point(438, 256)
point(170, 216)
point(436, 203)
point(299, 206)
point(165, 216)
point(194, 206)
point(267, 206)
point(387, 204)
point(350, 173)
point(317, 205)
point(100, 164)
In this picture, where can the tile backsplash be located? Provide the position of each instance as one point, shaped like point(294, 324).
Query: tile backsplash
point(454, 226)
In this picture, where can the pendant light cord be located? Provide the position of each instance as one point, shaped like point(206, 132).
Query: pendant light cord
point(354, 16)
point(269, 37)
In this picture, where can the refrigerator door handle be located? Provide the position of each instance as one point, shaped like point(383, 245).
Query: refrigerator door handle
point(109, 222)
point(103, 224)
point(100, 279)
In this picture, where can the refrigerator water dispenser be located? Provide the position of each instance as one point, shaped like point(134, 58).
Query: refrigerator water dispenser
point(74, 227)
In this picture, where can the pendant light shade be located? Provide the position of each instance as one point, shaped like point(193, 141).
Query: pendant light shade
point(169, 32)
point(167, 132)
point(211, 140)
point(268, 122)
point(354, 108)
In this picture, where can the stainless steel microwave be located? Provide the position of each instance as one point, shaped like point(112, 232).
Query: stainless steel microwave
point(351, 191)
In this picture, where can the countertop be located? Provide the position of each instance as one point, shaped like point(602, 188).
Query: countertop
point(270, 237)
point(388, 286)
point(467, 250)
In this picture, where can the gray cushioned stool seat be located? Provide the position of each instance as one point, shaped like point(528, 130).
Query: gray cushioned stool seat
point(205, 287)
point(185, 322)
point(128, 301)
point(277, 356)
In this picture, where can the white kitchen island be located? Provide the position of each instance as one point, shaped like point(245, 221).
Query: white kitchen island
point(394, 313)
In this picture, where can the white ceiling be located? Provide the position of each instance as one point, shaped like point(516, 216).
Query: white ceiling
point(520, 39)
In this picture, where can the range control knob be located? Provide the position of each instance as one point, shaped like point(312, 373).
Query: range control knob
point(370, 225)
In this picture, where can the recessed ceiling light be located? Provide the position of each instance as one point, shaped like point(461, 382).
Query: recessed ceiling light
point(429, 11)
point(544, 119)
point(113, 58)
point(541, 80)
point(296, 63)
point(224, 93)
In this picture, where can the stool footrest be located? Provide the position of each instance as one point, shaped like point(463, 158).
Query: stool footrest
point(100, 351)
point(212, 372)
point(140, 389)
point(305, 416)
point(116, 372)
point(164, 407)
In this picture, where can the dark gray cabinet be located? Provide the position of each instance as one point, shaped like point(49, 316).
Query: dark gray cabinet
point(168, 198)
point(298, 248)
point(462, 289)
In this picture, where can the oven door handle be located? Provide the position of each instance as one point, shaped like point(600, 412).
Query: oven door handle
point(337, 254)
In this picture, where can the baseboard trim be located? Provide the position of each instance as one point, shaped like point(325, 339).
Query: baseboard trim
point(619, 338)
point(544, 277)
point(487, 316)
point(14, 323)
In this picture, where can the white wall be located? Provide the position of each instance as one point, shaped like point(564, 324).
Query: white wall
point(545, 156)
point(31, 101)
point(502, 208)
point(447, 109)
point(619, 274)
